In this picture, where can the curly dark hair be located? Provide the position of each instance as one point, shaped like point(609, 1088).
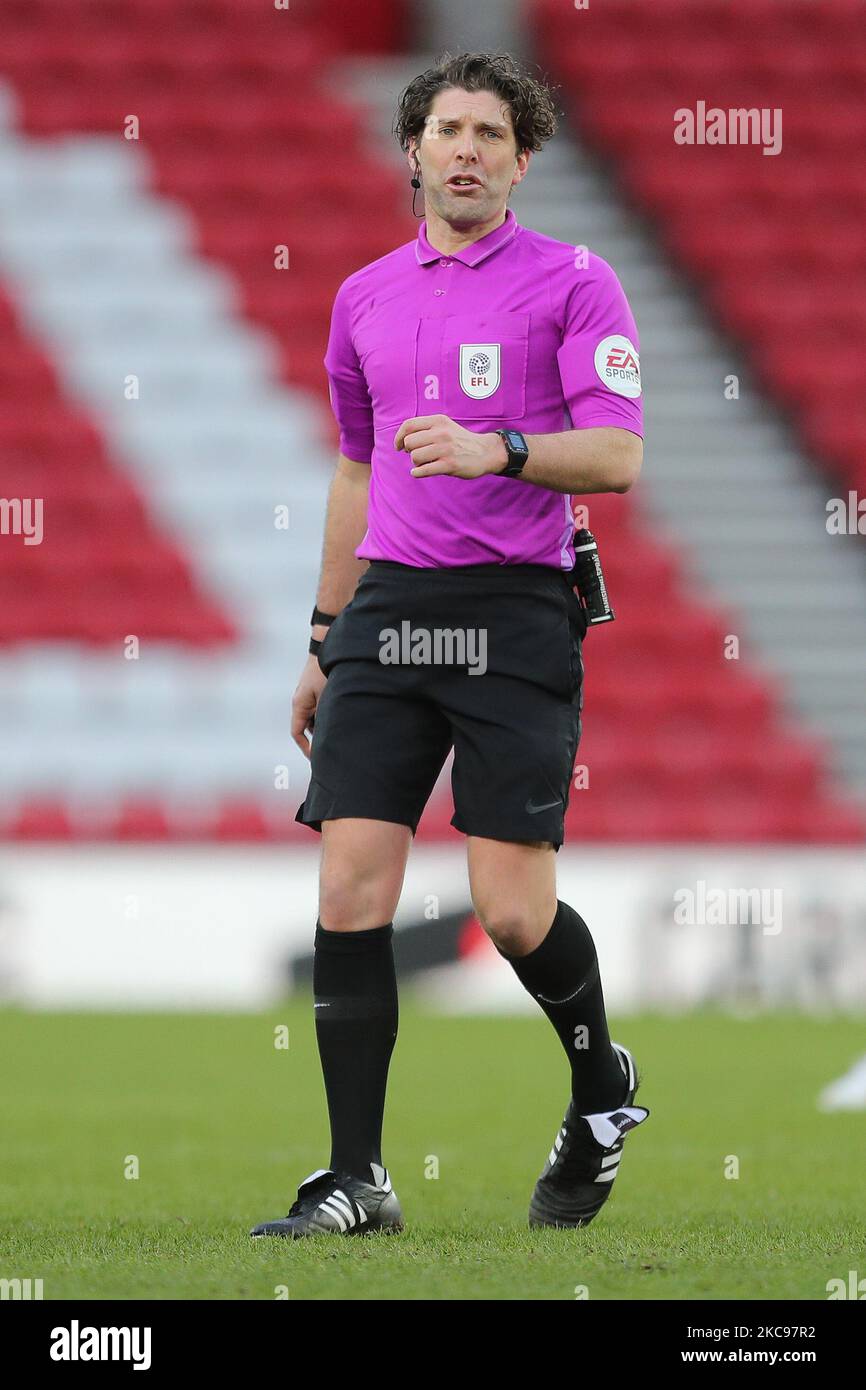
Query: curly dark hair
point(530, 99)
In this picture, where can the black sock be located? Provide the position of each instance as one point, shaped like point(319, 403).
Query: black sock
point(562, 975)
point(355, 989)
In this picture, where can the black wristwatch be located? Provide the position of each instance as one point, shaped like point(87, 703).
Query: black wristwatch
point(517, 450)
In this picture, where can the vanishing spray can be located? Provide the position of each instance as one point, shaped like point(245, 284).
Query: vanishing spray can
point(588, 579)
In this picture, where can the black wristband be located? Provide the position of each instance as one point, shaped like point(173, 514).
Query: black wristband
point(315, 644)
point(325, 619)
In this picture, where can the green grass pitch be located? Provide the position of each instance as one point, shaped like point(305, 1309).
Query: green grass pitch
point(224, 1125)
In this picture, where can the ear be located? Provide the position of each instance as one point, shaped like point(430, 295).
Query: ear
point(412, 153)
point(522, 164)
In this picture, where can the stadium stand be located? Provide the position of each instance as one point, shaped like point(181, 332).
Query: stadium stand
point(776, 244)
point(157, 259)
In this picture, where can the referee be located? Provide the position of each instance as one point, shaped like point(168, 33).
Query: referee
point(480, 376)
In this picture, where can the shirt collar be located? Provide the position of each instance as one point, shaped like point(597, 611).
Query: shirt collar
point(470, 255)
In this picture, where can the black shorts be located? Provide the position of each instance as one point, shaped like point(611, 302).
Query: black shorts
point(482, 658)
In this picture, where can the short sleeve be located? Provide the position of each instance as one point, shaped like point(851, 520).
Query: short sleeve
point(599, 360)
point(347, 385)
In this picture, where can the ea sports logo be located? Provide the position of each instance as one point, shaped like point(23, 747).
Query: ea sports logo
point(479, 369)
point(618, 365)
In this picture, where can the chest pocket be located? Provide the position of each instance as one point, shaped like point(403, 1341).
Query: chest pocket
point(484, 358)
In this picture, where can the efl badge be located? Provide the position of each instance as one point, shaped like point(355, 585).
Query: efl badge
point(479, 369)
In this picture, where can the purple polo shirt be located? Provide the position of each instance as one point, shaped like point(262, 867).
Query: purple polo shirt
point(516, 330)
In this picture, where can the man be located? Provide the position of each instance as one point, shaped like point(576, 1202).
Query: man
point(480, 377)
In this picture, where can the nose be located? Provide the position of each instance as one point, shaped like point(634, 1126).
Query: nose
point(467, 148)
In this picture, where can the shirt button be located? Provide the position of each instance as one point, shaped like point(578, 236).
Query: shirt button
point(438, 291)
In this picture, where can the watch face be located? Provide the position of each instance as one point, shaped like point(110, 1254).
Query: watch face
point(517, 450)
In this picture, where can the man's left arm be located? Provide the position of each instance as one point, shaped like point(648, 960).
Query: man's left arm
point(599, 371)
point(606, 459)
point(577, 461)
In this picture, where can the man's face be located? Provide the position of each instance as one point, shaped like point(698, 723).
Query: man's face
point(468, 136)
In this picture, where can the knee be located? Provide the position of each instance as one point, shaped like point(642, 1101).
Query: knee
point(512, 930)
point(355, 900)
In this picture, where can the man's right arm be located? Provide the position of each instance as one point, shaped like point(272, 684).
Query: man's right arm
point(345, 527)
